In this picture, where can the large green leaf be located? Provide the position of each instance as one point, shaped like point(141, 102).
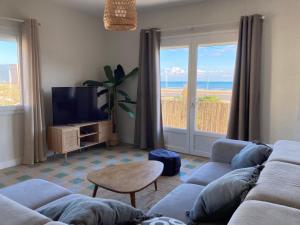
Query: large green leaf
point(124, 94)
point(127, 109)
point(104, 107)
point(102, 92)
point(132, 73)
point(109, 74)
point(108, 84)
point(119, 73)
point(127, 101)
point(92, 83)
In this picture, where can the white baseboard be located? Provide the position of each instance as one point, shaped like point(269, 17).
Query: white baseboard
point(10, 163)
point(176, 149)
point(201, 154)
point(182, 150)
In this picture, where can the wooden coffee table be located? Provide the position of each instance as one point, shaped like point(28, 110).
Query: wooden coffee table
point(127, 178)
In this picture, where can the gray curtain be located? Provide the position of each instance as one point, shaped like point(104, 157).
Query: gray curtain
point(148, 123)
point(244, 121)
point(34, 137)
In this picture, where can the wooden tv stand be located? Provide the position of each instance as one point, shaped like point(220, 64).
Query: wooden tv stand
point(68, 138)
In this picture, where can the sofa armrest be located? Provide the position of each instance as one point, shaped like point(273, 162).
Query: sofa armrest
point(223, 150)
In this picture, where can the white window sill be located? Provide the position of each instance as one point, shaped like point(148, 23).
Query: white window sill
point(11, 110)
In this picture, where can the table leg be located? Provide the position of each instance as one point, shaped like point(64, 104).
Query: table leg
point(155, 185)
point(95, 191)
point(132, 199)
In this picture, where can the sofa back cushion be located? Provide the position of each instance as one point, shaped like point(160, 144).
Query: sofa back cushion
point(34, 193)
point(251, 155)
point(264, 213)
point(278, 183)
point(12, 212)
point(286, 151)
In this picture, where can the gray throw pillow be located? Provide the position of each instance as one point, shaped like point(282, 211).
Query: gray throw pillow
point(251, 155)
point(220, 198)
point(81, 209)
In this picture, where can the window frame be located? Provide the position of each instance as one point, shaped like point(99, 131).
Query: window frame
point(12, 32)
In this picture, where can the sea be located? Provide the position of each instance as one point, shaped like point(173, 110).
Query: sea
point(208, 85)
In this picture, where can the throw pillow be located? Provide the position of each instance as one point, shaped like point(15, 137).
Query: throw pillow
point(82, 209)
point(163, 221)
point(220, 198)
point(251, 155)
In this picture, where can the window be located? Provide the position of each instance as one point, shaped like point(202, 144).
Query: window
point(10, 81)
point(196, 82)
point(174, 84)
point(215, 69)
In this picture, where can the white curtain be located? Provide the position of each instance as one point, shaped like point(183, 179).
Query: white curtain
point(35, 135)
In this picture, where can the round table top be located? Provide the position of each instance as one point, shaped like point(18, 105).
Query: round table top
point(127, 178)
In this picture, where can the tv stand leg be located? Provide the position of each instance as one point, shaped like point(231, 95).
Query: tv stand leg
point(66, 157)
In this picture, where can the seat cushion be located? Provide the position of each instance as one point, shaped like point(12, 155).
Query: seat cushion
point(278, 183)
point(208, 173)
point(177, 202)
point(286, 151)
point(264, 213)
point(34, 193)
point(12, 213)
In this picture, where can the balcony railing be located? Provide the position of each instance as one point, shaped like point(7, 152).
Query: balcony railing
point(210, 116)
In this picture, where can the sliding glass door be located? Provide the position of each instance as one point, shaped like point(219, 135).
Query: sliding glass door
point(196, 85)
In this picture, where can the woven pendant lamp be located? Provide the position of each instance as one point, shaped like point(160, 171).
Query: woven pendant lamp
point(120, 15)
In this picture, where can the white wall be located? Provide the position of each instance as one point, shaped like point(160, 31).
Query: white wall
point(72, 50)
point(281, 55)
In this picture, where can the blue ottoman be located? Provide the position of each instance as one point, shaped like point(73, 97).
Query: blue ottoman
point(171, 161)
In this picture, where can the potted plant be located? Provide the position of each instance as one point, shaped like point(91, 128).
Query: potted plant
point(116, 96)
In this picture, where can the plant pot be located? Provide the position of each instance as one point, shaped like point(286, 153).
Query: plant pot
point(114, 139)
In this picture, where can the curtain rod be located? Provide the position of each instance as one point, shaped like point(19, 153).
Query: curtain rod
point(12, 19)
point(192, 27)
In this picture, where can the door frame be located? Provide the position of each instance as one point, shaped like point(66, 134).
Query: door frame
point(193, 41)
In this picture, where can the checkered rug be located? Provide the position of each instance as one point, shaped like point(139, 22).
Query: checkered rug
point(72, 174)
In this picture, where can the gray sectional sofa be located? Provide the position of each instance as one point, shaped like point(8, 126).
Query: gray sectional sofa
point(274, 200)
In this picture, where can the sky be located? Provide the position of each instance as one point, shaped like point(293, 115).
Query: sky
point(214, 63)
point(8, 52)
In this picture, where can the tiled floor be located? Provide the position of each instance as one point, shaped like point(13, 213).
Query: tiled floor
point(72, 174)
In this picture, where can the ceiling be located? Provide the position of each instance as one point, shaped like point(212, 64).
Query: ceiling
point(96, 6)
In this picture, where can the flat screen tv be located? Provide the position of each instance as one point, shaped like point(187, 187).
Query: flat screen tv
point(76, 105)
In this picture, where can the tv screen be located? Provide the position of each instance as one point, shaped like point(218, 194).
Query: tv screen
point(76, 105)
